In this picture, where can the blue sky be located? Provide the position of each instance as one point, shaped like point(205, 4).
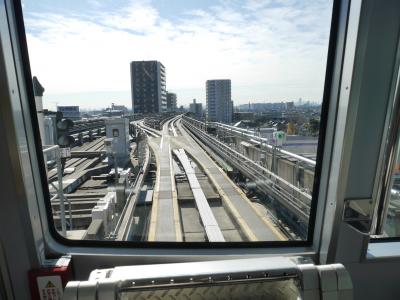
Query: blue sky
point(272, 50)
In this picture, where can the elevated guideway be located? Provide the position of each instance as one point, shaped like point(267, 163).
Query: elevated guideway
point(249, 136)
point(208, 220)
point(164, 221)
point(255, 225)
point(150, 131)
point(289, 196)
point(237, 218)
point(298, 169)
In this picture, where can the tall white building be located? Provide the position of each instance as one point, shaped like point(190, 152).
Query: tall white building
point(219, 102)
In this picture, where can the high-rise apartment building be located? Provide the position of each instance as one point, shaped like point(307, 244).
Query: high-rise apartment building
point(148, 87)
point(219, 102)
point(171, 102)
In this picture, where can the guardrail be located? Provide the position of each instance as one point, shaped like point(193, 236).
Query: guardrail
point(289, 196)
point(250, 136)
point(80, 126)
point(124, 228)
point(157, 121)
point(149, 130)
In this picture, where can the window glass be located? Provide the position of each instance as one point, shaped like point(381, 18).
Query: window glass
point(391, 225)
point(179, 121)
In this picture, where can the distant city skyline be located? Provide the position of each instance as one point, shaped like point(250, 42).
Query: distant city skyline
point(271, 50)
point(124, 98)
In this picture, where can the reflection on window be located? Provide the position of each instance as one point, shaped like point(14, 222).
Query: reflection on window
point(392, 222)
point(179, 121)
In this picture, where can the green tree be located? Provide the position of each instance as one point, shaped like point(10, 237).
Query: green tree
point(314, 126)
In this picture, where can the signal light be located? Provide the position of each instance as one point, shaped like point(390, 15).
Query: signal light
point(64, 124)
point(64, 139)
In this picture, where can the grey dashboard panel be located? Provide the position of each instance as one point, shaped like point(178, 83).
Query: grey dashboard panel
point(277, 290)
point(255, 278)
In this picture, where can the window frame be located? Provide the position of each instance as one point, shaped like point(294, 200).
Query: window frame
point(388, 156)
point(57, 244)
point(374, 65)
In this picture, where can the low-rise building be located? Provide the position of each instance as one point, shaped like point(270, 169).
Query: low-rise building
point(70, 112)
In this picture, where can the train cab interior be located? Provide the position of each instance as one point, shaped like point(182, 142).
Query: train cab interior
point(211, 209)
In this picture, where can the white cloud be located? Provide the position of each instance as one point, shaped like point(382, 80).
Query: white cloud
point(139, 17)
point(275, 53)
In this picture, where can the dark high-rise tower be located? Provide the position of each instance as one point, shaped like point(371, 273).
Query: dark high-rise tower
point(219, 102)
point(148, 87)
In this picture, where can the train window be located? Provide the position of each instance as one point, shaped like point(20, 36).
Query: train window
point(391, 226)
point(180, 121)
point(388, 216)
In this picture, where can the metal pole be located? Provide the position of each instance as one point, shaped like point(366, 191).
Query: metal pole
point(273, 165)
point(115, 170)
point(70, 213)
point(60, 192)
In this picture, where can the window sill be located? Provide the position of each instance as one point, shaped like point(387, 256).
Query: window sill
point(379, 250)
